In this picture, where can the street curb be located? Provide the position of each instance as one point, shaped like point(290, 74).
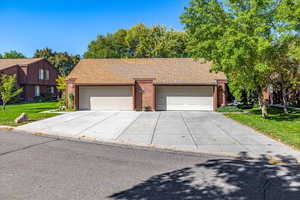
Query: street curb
point(155, 148)
point(9, 128)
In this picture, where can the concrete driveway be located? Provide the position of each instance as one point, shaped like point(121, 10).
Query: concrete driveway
point(181, 130)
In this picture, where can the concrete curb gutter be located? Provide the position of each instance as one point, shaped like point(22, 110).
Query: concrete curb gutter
point(159, 148)
point(55, 111)
point(9, 128)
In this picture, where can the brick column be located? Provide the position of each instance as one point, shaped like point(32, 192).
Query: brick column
point(215, 98)
point(71, 89)
point(145, 94)
point(222, 92)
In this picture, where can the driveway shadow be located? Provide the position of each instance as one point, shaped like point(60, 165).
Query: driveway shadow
point(222, 179)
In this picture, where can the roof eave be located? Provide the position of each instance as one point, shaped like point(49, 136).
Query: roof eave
point(11, 66)
point(185, 84)
point(104, 84)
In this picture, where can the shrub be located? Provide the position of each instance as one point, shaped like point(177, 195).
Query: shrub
point(229, 109)
point(245, 106)
point(62, 102)
point(71, 103)
point(43, 98)
point(38, 99)
point(147, 108)
point(47, 96)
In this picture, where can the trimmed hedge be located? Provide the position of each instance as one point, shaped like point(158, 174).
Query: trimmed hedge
point(229, 109)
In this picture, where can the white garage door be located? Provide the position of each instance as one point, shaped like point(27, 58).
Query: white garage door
point(105, 98)
point(184, 98)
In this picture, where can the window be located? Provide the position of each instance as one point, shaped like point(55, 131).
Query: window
point(46, 74)
point(41, 74)
point(52, 90)
point(37, 91)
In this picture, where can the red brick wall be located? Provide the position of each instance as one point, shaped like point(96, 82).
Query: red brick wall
point(72, 89)
point(144, 94)
point(215, 98)
point(28, 92)
point(222, 93)
point(138, 105)
point(32, 73)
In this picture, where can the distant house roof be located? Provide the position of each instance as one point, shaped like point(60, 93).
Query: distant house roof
point(6, 63)
point(162, 70)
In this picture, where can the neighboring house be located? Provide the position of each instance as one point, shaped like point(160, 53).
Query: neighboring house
point(36, 76)
point(136, 84)
point(274, 96)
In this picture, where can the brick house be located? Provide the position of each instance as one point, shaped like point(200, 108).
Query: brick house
point(36, 76)
point(274, 96)
point(155, 84)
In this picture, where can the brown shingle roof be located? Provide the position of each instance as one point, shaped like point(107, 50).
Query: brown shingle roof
point(6, 63)
point(163, 70)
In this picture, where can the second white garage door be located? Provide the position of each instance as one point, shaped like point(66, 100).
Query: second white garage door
point(105, 98)
point(184, 98)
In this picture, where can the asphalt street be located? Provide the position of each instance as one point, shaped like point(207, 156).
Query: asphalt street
point(38, 167)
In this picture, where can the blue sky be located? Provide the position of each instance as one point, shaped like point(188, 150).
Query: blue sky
point(69, 25)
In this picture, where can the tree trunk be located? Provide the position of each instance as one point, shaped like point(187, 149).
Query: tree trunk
point(3, 106)
point(264, 107)
point(285, 102)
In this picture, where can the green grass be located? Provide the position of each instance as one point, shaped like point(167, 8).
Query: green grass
point(285, 128)
point(33, 110)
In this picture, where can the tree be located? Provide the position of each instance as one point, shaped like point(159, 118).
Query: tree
point(8, 88)
point(139, 41)
point(64, 62)
point(241, 38)
point(286, 76)
point(12, 54)
point(61, 83)
point(156, 42)
point(119, 45)
point(61, 60)
point(44, 53)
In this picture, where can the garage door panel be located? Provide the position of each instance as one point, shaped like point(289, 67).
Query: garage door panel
point(184, 98)
point(105, 98)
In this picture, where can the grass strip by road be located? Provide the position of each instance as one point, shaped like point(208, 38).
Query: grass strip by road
point(33, 110)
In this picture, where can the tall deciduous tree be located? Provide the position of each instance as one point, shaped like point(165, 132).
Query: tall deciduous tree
point(286, 76)
point(241, 38)
point(139, 41)
point(12, 54)
point(8, 88)
point(63, 61)
point(44, 53)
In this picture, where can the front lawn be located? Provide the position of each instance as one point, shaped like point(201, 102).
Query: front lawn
point(33, 110)
point(285, 128)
